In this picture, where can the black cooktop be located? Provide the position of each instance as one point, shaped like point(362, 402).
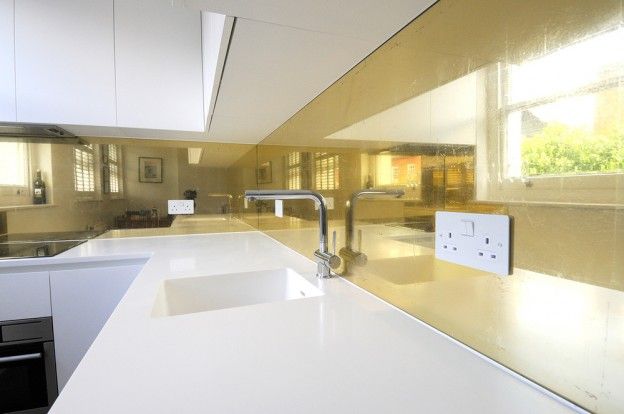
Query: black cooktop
point(25, 245)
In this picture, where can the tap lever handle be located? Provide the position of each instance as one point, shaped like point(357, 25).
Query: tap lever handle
point(334, 241)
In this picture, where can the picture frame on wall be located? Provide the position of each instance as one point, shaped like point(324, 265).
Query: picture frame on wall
point(264, 173)
point(150, 170)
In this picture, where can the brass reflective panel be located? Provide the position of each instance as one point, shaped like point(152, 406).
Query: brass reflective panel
point(488, 106)
point(495, 106)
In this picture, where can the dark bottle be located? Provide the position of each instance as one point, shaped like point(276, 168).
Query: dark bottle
point(39, 190)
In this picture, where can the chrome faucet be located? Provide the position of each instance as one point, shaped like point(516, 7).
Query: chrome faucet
point(348, 253)
point(325, 260)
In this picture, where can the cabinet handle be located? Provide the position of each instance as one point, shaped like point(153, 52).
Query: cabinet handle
point(24, 357)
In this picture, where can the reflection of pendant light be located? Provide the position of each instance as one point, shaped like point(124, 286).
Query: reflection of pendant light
point(194, 155)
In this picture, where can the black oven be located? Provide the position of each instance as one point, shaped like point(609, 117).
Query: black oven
point(27, 368)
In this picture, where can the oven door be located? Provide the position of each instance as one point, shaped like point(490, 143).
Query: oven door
point(26, 383)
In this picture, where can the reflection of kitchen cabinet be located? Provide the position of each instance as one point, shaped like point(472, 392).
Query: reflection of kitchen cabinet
point(159, 66)
point(454, 111)
point(7, 65)
point(24, 295)
point(64, 62)
point(82, 301)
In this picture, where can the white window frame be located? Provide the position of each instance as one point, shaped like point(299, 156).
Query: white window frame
point(493, 181)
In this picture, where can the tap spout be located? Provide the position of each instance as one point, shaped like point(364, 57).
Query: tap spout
point(326, 259)
point(358, 257)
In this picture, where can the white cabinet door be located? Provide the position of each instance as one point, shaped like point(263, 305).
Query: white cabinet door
point(158, 65)
point(24, 295)
point(82, 301)
point(64, 61)
point(7, 62)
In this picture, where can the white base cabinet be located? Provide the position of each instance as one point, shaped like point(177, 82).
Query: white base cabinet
point(82, 301)
point(24, 295)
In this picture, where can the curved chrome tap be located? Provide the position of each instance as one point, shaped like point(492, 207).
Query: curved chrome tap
point(348, 253)
point(326, 260)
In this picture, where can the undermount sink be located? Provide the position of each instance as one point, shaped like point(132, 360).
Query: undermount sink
point(208, 293)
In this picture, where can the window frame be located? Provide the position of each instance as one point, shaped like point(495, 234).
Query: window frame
point(499, 186)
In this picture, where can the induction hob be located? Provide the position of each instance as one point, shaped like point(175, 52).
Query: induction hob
point(29, 245)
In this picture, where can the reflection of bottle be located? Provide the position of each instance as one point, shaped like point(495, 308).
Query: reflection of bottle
point(369, 182)
point(39, 190)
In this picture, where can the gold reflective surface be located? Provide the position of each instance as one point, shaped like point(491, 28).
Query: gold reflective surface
point(494, 106)
point(489, 106)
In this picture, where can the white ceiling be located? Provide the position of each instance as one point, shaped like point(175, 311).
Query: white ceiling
point(284, 53)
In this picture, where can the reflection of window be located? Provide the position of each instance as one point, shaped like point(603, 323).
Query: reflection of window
point(84, 169)
point(562, 112)
point(13, 164)
point(112, 174)
point(326, 171)
point(294, 170)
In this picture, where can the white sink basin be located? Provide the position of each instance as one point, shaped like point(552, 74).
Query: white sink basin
point(208, 293)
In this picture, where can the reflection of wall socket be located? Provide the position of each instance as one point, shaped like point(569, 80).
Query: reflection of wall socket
point(329, 202)
point(482, 241)
point(180, 207)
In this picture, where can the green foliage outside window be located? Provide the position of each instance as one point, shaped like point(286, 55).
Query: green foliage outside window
point(560, 149)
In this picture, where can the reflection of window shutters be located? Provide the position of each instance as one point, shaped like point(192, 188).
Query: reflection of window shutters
point(326, 171)
point(84, 169)
point(111, 169)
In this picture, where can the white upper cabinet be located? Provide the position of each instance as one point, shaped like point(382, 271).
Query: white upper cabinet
point(7, 63)
point(158, 65)
point(65, 61)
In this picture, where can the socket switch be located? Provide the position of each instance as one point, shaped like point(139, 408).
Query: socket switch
point(180, 207)
point(482, 241)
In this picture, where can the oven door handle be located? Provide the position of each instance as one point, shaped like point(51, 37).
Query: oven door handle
point(23, 357)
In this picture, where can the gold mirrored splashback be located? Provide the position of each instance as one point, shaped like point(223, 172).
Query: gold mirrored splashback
point(488, 106)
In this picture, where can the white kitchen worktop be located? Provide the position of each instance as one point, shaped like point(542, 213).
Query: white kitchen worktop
point(345, 351)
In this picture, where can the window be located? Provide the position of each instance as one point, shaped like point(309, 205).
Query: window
point(294, 170)
point(326, 171)
point(84, 169)
point(112, 174)
point(14, 162)
point(560, 131)
point(562, 112)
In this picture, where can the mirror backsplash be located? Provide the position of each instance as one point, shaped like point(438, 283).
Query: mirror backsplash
point(492, 106)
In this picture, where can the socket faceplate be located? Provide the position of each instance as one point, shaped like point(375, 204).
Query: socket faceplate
point(180, 207)
point(481, 241)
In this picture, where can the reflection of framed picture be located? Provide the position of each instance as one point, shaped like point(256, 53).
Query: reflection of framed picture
point(150, 170)
point(264, 173)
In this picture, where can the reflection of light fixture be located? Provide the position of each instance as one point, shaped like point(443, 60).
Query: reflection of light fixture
point(194, 155)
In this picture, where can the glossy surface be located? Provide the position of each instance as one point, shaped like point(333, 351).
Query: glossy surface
point(344, 351)
point(231, 290)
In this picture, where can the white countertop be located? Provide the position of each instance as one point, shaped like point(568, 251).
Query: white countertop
point(345, 351)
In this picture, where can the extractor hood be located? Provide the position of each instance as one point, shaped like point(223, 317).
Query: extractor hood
point(37, 133)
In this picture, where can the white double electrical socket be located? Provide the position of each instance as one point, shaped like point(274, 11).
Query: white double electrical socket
point(180, 206)
point(482, 241)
